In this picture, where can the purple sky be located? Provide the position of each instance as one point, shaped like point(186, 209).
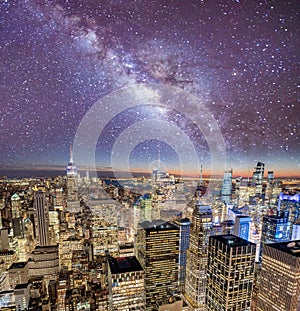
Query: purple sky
point(240, 58)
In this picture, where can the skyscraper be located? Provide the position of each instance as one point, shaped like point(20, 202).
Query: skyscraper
point(258, 176)
point(279, 287)
point(201, 228)
point(73, 204)
point(230, 272)
point(157, 249)
point(226, 187)
point(184, 225)
point(126, 284)
point(242, 226)
point(41, 218)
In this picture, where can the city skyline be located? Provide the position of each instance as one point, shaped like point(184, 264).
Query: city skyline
point(235, 63)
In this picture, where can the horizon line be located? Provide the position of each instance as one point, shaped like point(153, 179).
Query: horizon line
point(55, 167)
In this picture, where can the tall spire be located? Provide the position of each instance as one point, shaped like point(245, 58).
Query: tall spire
point(71, 153)
point(71, 168)
point(200, 180)
point(198, 192)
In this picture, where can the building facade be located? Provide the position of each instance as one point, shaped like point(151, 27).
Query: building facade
point(230, 273)
point(184, 225)
point(126, 284)
point(41, 218)
point(157, 249)
point(201, 229)
point(279, 287)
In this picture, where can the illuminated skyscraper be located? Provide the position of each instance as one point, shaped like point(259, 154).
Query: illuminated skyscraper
point(201, 229)
point(157, 249)
point(73, 204)
point(41, 218)
point(145, 207)
point(276, 228)
point(126, 284)
point(226, 187)
point(258, 176)
point(230, 272)
point(184, 225)
point(279, 287)
point(15, 206)
point(104, 227)
point(242, 226)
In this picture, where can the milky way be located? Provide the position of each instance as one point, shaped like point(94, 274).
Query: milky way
point(240, 58)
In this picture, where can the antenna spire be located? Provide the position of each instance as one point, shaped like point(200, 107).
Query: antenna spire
point(71, 153)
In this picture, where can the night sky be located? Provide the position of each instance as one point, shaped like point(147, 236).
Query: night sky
point(240, 59)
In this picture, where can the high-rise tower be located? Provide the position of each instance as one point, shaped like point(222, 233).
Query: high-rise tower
point(184, 225)
point(279, 287)
point(157, 249)
point(201, 228)
point(230, 273)
point(258, 176)
point(226, 187)
point(41, 218)
point(73, 204)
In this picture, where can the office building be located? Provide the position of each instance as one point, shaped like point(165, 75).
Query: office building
point(276, 228)
point(44, 261)
point(17, 274)
point(184, 225)
point(16, 209)
point(258, 176)
point(230, 273)
point(157, 249)
point(146, 207)
point(41, 218)
point(126, 284)
point(73, 204)
point(242, 226)
point(104, 227)
point(226, 190)
point(296, 232)
point(279, 287)
point(201, 229)
point(22, 296)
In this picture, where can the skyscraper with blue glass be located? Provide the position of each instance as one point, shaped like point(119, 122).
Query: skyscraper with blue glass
point(184, 242)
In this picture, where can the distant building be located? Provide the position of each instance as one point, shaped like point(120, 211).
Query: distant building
point(16, 209)
point(18, 274)
point(145, 207)
point(258, 176)
point(276, 228)
point(22, 296)
point(296, 232)
point(230, 273)
point(279, 287)
point(73, 204)
point(126, 284)
point(242, 227)
point(104, 227)
point(157, 249)
point(41, 218)
point(226, 190)
point(44, 261)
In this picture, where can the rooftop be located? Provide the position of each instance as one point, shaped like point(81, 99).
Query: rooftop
point(124, 264)
point(157, 225)
point(231, 240)
point(291, 247)
point(21, 286)
point(18, 265)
